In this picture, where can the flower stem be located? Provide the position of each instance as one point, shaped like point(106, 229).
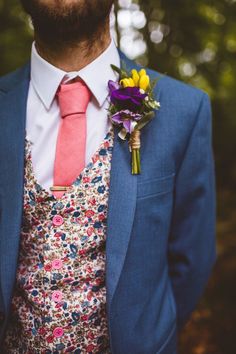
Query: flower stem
point(136, 168)
point(138, 160)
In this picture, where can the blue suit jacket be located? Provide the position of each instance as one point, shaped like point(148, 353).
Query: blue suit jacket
point(161, 224)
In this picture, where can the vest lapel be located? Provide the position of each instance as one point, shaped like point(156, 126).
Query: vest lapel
point(121, 208)
point(12, 135)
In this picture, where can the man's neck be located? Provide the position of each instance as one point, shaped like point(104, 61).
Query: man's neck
point(76, 56)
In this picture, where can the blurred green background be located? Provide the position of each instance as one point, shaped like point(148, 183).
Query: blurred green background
point(194, 41)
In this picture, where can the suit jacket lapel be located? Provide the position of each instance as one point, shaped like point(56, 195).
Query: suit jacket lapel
point(12, 135)
point(121, 209)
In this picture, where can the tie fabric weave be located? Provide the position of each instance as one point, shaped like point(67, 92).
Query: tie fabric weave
point(73, 99)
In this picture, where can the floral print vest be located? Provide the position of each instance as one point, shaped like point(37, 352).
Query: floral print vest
point(59, 303)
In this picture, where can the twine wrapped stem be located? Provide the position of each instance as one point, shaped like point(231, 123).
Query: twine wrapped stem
point(135, 144)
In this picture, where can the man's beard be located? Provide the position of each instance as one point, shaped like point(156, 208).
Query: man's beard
point(60, 22)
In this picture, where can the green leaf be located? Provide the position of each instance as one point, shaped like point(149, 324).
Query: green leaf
point(122, 73)
point(145, 120)
point(116, 69)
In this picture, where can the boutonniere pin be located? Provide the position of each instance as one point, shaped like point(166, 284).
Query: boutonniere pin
point(132, 106)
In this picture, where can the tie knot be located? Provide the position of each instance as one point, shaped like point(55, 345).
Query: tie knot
point(73, 98)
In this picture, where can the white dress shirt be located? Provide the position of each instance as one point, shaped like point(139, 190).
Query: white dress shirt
point(43, 114)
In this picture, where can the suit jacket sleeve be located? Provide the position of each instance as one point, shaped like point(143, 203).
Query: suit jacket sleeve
point(191, 249)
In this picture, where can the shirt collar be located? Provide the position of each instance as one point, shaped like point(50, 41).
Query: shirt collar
point(46, 78)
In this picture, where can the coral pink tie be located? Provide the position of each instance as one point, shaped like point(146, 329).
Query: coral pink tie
point(73, 99)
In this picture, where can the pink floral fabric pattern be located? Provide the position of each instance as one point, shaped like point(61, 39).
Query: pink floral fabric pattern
point(59, 304)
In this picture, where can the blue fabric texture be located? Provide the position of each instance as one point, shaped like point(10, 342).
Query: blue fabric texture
point(161, 224)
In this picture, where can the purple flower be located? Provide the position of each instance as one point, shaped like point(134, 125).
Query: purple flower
point(127, 118)
point(128, 97)
point(113, 86)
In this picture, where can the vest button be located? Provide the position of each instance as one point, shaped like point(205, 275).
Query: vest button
point(57, 264)
point(58, 332)
point(57, 296)
point(57, 220)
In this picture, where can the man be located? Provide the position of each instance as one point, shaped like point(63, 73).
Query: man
point(95, 259)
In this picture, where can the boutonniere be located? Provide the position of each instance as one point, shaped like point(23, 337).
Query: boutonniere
point(132, 106)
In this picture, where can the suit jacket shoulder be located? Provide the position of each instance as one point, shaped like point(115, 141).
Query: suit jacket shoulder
point(177, 94)
point(181, 104)
point(8, 81)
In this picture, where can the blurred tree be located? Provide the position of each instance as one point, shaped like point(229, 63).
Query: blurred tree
point(15, 36)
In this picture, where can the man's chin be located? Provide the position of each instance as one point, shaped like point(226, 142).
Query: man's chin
point(67, 20)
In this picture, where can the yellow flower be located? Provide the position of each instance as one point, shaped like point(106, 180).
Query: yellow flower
point(142, 72)
point(139, 79)
point(144, 82)
point(128, 82)
point(135, 77)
